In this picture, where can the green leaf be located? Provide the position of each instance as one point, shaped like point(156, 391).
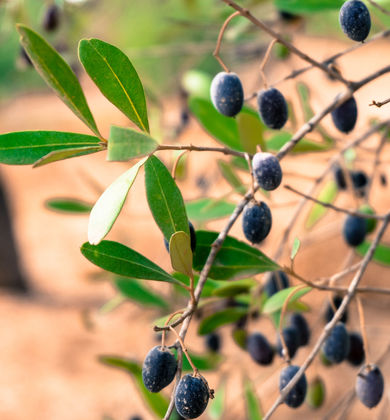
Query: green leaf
point(223, 129)
point(295, 248)
point(328, 194)
point(197, 83)
point(226, 130)
point(276, 142)
point(217, 319)
point(235, 288)
point(235, 259)
point(57, 74)
point(276, 301)
point(180, 253)
point(112, 304)
point(304, 96)
point(165, 199)
point(125, 144)
point(217, 405)
point(115, 76)
point(308, 6)
point(58, 155)
point(134, 290)
point(231, 177)
point(381, 254)
point(204, 363)
point(208, 289)
point(253, 408)
point(107, 208)
point(124, 261)
point(27, 147)
point(68, 205)
point(251, 131)
point(206, 209)
point(239, 336)
point(240, 163)
point(156, 401)
point(316, 393)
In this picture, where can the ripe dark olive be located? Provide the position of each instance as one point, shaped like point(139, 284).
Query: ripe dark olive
point(272, 108)
point(267, 171)
point(256, 222)
point(159, 369)
point(297, 395)
point(369, 386)
point(192, 397)
point(227, 94)
point(355, 20)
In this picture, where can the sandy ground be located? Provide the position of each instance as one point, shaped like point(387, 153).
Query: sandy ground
point(48, 355)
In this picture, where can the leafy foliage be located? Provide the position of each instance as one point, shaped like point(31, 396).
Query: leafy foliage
point(57, 74)
point(115, 76)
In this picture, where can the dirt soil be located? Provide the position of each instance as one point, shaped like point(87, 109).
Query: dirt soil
point(50, 341)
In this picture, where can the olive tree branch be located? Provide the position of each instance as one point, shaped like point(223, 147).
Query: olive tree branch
point(247, 14)
point(338, 314)
point(379, 7)
point(192, 148)
point(336, 208)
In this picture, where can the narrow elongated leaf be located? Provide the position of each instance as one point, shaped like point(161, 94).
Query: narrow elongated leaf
point(156, 401)
point(57, 74)
point(316, 393)
point(204, 363)
point(251, 131)
point(216, 320)
point(125, 144)
point(58, 155)
point(381, 254)
point(253, 408)
point(234, 260)
point(208, 289)
point(276, 301)
point(180, 252)
point(328, 194)
point(223, 129)
point(68, 205)
point(276, 142)
point(295, 248)
point(134, 290)
point(115, 76)
point(165, 199)
point(109, 205)
point(231, 177)
point(124, 261)
point(217, 405)
point(308, 6)
point(206, 209)
point(235, 288)
point(228, 131)
point(27, 147)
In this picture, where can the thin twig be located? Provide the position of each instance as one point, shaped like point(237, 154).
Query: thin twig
point(247, 14)
point(379, 7)
point(336, 208)
point(219, 40)
point(363, 329)
point(336, 317)
point(264, 62)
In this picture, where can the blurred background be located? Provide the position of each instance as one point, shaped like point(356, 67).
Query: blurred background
point(58, 313)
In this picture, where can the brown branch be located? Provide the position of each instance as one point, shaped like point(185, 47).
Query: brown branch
point(336, 208)
point(337, 316)
point(379, 7)
point(379, 104)
point(219, 40)
point(247, 14)
point(192, 148)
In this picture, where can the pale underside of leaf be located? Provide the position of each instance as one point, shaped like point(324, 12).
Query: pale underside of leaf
point(109, 205)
